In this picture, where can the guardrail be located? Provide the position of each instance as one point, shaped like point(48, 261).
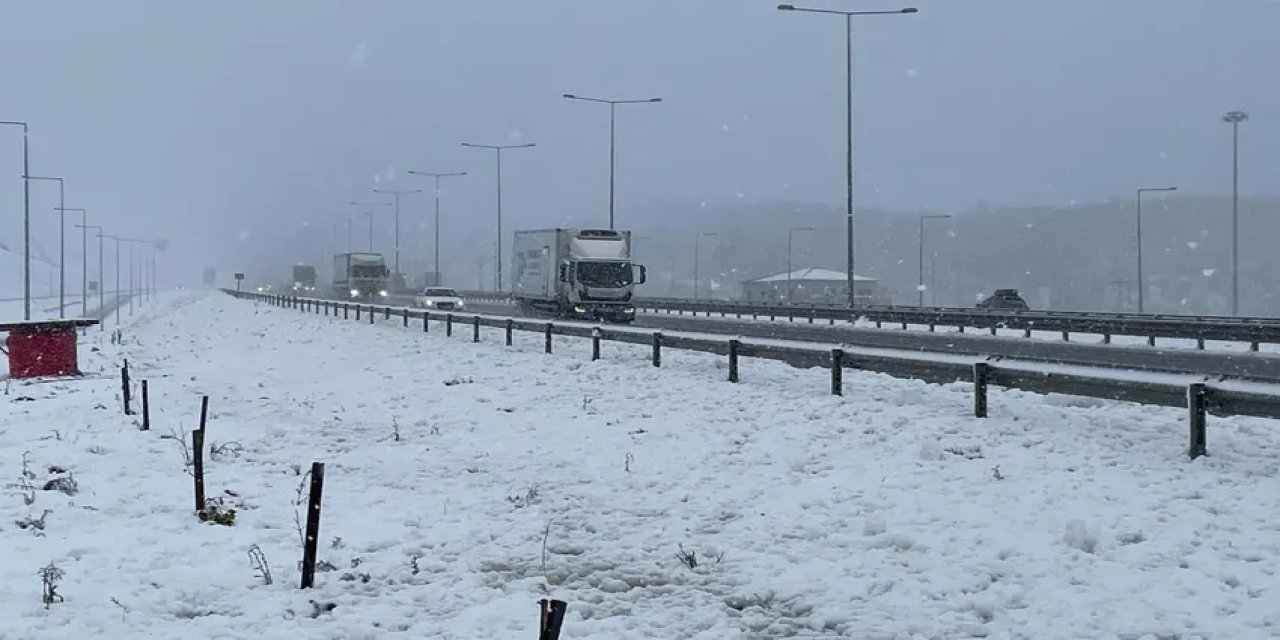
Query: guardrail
point(1199, 396)
point(1252, 330)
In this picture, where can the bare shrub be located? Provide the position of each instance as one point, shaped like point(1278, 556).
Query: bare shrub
point(50, 577)
point(258, 561)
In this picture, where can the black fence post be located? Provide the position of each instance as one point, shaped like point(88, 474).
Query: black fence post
point(346, 311)
point(550, 328)
point(197, 459)
point(406, 317)
point(657, 349)
point(373, 314)
point(357, 313)
point(204, 412)
point(313, 526)
point(426, 321)
point(387, 309)
point(326, 308)
point(448, 324)
point(733, 360)
point(146, 408)
point(511, 326)
point(595, 344)
point(837, 372)
point(981, 370)
point(475, 332)
point(124, 379)
point(1151, 341)
point(1197, 395)
point(552, 619)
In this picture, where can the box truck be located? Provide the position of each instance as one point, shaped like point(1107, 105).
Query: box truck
point(360, 275)
point(304, 278)
point(576, 273)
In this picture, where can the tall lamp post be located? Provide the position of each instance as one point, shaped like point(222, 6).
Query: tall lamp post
point(396, 193)
point(498, 149)
point(133, 242)
point(790, 233)
point(613, 110)
point(920, 268)
point(26, 217)
point(436, 251)
point(696, 260)
point(1141, 287)
point(369, 212)
point(84, 255)
point(1234, 118)
point(117, 240)
point(848, 58)
point(101, 299)
point(62, 242)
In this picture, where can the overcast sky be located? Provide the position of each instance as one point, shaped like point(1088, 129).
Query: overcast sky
point(223, 125)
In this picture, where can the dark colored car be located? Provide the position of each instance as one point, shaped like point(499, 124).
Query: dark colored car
point(1007, 299)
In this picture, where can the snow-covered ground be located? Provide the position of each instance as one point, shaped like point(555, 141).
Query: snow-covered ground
point(464, 482)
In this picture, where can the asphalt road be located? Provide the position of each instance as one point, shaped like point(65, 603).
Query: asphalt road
point(1254, 366)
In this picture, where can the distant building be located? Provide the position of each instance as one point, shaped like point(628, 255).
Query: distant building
point(812, 286)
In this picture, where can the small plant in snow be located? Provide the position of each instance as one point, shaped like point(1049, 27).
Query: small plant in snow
point(97, 450)
point(995, 473)
point(36, 525)
point(258, 560)
point(452, 382)
point(225, 450)
point(299, 500)
point(187, 460)
point(529, 497)
point(626, 465)
point(50, 577)
point(324, 566)
point(413, 565)
point(124, 611)
point(216, 511)
point(687, 558)
point(26, 466)
point(24, 489)
point(336, 543)
point(66, 484)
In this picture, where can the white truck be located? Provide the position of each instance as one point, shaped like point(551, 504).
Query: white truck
point(576, 273)
point(360, 276)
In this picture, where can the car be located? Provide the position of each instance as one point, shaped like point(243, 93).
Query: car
point(440, 298)
point(1007, 299)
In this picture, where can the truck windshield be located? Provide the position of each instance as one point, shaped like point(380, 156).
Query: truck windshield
point(367, 271)
point(605, 274)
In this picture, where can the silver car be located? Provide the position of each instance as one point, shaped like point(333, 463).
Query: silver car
point(439, 298)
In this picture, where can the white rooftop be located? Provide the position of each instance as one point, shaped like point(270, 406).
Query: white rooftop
point(820, 275)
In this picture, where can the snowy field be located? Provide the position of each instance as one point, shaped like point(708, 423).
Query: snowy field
point(464, 482)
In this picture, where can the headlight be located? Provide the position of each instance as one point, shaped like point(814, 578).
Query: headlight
point(429, 303)
point(355, 292)
point(382, 293)
point(461, 304)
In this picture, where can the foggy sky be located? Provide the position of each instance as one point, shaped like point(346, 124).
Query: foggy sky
point(237, 126)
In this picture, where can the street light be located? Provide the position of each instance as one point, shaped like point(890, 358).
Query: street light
point(101, 284)
point(497, 149)
point(84, 258)
point(1141, 306)
point(696, 261)
point(396, 193)
point(920, 285)
point(62, 243)
point(1234, 118)
point(26, 217)
point(369, 212)
point(848, 32)
point(791, 231)
point(132, 291)
point(613, 109)
point(437, 176)
point(117, 240)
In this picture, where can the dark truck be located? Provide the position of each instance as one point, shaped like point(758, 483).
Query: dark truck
point(304, 278)
point(1004, 299)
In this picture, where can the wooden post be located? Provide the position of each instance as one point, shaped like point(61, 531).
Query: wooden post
point(595, 343)
point(837, 372)
point(204, 412)
point(657, 349)
point(197, 457)
point(511, 326)
point(733, 360)
point(124, 379)
point(146, 408)
point(448, 324)
point(313, 526)
point(1196, 396)
point(475, 329)
point(550, 328)
point(552, 619)
point(981, 370)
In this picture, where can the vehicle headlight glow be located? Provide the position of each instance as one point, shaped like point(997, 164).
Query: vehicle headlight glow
point(382, 293)
point(430, 303)
point(461, 304)
point(355, 292)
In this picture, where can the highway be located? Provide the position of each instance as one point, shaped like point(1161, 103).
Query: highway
point(1243, 365)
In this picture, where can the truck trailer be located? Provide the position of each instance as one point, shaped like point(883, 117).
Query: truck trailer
point(576, 273)
point(360, 276)
point(304, 278)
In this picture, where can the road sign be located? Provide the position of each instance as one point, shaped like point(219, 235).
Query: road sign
point(239, 276)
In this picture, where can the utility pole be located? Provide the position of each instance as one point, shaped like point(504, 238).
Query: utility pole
point(498, 149)
point(26, 217)
point(1234, 118)
point(437, 176)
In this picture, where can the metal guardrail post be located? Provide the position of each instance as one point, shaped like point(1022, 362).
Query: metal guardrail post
point(837, 372)
point(346, 311)
point(475, 333)
point(373, 314)
point(387, 309)
point(357, 313)
point(981, 372)
point(549, 329)
point(1197, 395)
point(426, 321)
point(657, 349)
point(595, 343)
point(448, 325)
point(734, 345)
point(406, 317)
point(511, 327)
